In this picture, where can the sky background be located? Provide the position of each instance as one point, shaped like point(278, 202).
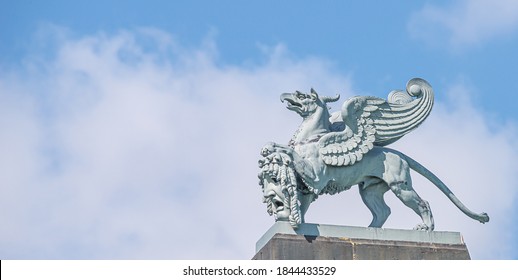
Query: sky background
point(132, 129)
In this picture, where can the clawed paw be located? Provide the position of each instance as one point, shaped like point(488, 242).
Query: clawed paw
point(422, 227)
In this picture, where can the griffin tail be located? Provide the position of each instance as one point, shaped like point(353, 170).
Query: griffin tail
point(414, 165)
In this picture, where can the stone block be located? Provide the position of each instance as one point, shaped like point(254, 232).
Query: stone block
point(327, 242)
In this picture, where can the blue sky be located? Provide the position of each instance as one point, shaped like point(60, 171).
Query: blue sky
point(411, 38)
point(129, 127)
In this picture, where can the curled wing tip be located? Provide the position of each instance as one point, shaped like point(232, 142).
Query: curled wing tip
point(417, 86)
point(399, 97)
point(402, 112)
point(371, 121)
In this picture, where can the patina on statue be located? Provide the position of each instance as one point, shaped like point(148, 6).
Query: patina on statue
point(331, 153)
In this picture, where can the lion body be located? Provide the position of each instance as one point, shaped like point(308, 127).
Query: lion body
point(381, 170)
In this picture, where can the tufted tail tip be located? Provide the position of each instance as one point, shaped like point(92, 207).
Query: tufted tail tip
point(484, 218)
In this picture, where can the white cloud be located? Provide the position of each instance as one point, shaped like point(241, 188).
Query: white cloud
point(464, 22)
point(130, 146)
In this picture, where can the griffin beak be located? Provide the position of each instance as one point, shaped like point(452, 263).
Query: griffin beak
point(285, 96)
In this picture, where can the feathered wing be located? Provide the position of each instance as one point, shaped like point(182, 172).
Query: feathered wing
point(372, 121)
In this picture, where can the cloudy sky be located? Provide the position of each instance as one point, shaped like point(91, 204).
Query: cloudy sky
point(132, 130)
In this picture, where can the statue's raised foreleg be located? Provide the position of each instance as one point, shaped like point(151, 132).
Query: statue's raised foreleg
point(303, 167)
point(273, 147)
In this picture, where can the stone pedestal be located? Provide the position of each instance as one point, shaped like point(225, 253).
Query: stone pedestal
point(327, 242)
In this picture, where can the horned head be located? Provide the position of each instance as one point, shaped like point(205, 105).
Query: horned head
point(306, 104)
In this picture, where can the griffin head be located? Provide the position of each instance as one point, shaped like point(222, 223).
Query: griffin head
point(306, 104)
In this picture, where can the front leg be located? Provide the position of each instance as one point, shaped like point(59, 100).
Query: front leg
point(305, 200)
point(303, 167)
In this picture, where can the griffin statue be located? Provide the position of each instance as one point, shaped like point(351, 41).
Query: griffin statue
point(330, 153)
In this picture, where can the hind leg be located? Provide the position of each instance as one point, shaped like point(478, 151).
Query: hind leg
point(405, 192)
point(372, 191)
